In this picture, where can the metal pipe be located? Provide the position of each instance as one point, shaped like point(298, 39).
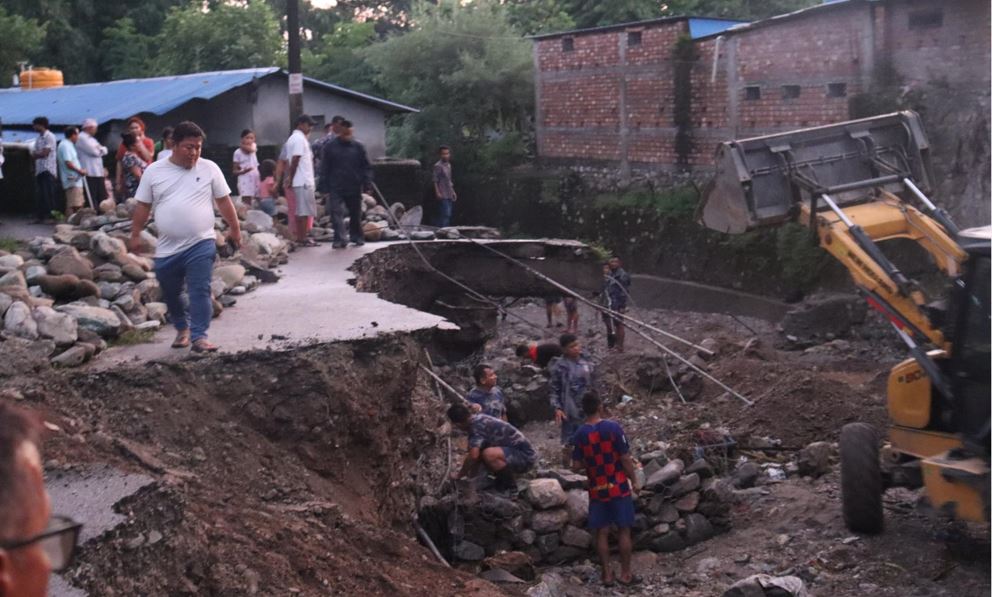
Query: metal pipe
point(861, 184)
point(938, 213)
point(430, 544)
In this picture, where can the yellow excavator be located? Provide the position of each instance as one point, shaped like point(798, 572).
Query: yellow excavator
point(857, 184)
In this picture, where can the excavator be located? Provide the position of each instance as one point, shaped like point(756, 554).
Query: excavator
point(857, 185)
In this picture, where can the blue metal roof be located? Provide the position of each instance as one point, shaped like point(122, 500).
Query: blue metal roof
point(117, 100)
point(699, 27)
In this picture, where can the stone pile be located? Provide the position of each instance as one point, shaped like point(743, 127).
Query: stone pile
point(546, 519)
point(73, 291)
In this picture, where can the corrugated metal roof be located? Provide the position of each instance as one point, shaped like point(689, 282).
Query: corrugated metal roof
point(117, 100)
point(704, 24)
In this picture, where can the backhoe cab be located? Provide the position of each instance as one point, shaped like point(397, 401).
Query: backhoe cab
point(856, 184)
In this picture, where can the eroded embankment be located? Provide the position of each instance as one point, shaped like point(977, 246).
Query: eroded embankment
point(275, 472)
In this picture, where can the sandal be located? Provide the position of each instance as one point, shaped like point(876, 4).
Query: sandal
point(309, 243)
point(634, 580)
point(182, 340)
point(204, 345)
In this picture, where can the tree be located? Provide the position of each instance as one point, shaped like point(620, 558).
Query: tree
point(531, 17)
point(748, 10)
point(221, 38)
point(595, 13)
point(470, 73)
point(22, 38)
point(337, 59)
point(125, 53)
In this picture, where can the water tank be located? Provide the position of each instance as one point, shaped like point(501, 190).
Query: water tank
point(40, 78)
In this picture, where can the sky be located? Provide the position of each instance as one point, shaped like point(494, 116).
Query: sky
point(324, 3)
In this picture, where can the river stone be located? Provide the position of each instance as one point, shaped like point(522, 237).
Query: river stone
point(134, 272)
point(697, 528)
point(157, 311)
point(150, 290)
point(267, 243)
point(547, 521)
point(684, 485)
point(18, 321)
point(469, 552)
point(108, 272)
point(5, 302)
point(11, 262)
point(109, 290)
point(97, 319)
point(667, 474)
point(74, 356)
point(126, 302)
point(231, 274)
point(688, 502)
point(814, 459)
point(60, 327)
point(261, 220)
point(576, 537)
point(106, 246)
point(577, 504)
point(746, 475)
point(567, 479)
point(668, 542)
point(125, 321)
point(701, 468)
point(421, 235)
point(667, 513)
point(33, 272)
point(545, 493)
point(547, 543)
point(69, 261)
point(14, 279)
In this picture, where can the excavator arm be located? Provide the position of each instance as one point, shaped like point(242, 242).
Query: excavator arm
point(855, 184)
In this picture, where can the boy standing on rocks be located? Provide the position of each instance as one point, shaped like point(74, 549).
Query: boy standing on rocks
point(571, 378)
point(486, 397)
point(496, 444)
point(602, 453)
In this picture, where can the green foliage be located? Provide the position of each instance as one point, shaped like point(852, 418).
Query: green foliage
point(336, 58)
point(9, 244)
point(886, 94)
point(677, 202)
point(531, 17)
point(800, 255)
point(596, 13)
point(125, 53)
point(225, 37)
point(132, 337)
point(471, 75)
point(22, 39)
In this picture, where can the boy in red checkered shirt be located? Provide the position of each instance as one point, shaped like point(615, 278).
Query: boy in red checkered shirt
point(601, 451)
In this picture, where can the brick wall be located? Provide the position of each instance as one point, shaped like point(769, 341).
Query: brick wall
point(611, 103)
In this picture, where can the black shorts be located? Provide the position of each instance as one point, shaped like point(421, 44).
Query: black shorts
point(518, 461)
point(552, 300)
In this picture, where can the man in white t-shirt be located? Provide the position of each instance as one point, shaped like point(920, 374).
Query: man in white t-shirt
point(182, 190)
point(300, 174)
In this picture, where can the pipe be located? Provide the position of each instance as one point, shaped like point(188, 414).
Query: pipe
point(430, 544)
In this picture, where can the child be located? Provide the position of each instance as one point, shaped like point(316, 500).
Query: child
point(267, 187)
point(246, 167)
point(166, 149)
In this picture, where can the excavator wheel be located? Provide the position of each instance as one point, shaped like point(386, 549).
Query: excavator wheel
point(860, 479)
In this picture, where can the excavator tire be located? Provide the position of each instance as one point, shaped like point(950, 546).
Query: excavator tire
point(861, 479)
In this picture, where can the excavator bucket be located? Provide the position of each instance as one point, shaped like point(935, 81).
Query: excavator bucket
point(762, 180)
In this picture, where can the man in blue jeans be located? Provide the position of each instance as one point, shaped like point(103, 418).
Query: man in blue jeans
point(182, 190)
point(444, 189)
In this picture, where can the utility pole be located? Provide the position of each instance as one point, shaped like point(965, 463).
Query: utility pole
point(295, 70)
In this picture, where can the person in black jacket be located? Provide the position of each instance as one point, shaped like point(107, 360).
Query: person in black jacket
point(345, 172)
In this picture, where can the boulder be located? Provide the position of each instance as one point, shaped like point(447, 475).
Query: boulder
point(820, 316)
point(697, 528)
point(576, 537)
point(421, 234)
point(5, 302)
point(373, 230)
point(60, 327)
point(68, 261)
point(666, 475)
point(96, 319)
point(577, 504)
point(108, 272)
point(157, 311)
point(667, 513)
point(566, 478)
point(74, 356)
point(125, 321)
point(549, 521)
point(107, 247)
point(108, 206)
point(266, 243)
point(551, 585)
point(10, 262)
point(13, 279)
point(231, 274)
point(18, 321)
point(259, 219)
point(109, 290)
point(688, 503)
point(515, 562)
point(547, 543)
point(814, 459)
point(684, 485)
point(33, 272)
point(668, 542)
point(545, 493)
point(134, 272)
point(67, 286)
point(469, 552)
point(700, 467)
point(150, 290)
point(746, 474)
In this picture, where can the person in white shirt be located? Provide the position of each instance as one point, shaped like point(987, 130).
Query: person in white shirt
point(166, 150)
point(46, 170)
point(91, 160)
point(245, 167)
point(183, 190)
point(300, 176)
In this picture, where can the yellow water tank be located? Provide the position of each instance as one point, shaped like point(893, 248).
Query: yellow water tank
point(40, 78)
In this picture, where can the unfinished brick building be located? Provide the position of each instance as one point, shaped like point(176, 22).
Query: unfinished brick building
point(656, 96)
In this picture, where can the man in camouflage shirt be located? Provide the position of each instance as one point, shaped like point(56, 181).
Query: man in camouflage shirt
point(571, 378)
point(496, 444)
point(486, 397)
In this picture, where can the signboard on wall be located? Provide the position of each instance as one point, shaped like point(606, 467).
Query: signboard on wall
point(295, 83)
